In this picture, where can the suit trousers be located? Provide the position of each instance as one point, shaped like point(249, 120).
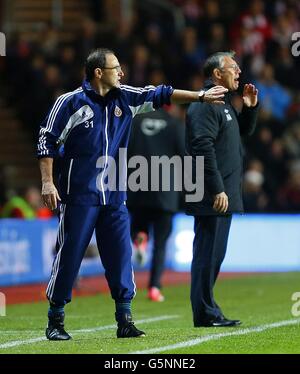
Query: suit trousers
point(76, 226)
point(209, 249)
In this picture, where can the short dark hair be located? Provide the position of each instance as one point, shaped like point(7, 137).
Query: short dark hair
point(96, 59)
point(215, 61)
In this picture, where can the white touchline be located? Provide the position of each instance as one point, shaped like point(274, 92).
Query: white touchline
point(210, 337)
point(100, 328)
point(146, 320)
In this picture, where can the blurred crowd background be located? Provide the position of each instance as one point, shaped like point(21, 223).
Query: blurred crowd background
point(156, 42)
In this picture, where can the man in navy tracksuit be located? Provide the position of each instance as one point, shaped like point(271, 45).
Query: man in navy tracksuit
point(93, 123)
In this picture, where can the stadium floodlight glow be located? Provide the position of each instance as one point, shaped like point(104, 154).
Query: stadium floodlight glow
point(184, 245)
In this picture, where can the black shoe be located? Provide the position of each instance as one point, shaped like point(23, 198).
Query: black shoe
point(55, 329)
point(126, 328)
point(218, 322)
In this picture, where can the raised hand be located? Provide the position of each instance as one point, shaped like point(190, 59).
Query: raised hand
point(250, 95)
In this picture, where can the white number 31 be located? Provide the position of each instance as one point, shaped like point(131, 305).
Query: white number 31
point(89, 124)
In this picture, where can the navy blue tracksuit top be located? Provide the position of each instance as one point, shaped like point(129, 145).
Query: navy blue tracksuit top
point(91, 127)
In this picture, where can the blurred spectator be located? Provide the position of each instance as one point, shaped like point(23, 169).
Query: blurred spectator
point(141, 63)
point(285, 70)
point(255, 199)
point(157, 77)
point(253, 29)
point(158, 50)
point(289, 194)
point(97, 11)
point(261, 143)
point(291, 140)
point(196, 80)
point(125, 38)
point(2, 186)
point(217, 39)
point(69, 67)
point(88, 38)
point(49, 42)
point(273, 98)
point(211, 16)
point(283, 29)
point(192, 11)
point(251, 34)
point(193, 52)
point(28, 206)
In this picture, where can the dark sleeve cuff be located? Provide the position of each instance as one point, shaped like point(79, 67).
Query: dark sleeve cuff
point(45, 156)
point(246, 108)
point(215, 184)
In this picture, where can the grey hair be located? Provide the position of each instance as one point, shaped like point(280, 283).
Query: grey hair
point(215, 61)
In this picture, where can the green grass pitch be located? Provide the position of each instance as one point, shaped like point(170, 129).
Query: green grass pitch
point(263, 302)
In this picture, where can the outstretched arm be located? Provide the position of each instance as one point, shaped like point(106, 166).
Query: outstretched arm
point(213, 95)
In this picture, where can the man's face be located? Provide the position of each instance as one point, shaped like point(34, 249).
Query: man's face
point(112, 72)
point(230, 73)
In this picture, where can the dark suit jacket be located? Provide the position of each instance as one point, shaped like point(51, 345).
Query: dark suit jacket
point(214, 131)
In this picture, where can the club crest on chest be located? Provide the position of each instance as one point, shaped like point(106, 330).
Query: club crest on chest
point(228, 116)
point(118, 111)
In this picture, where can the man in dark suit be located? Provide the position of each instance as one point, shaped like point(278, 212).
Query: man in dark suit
point(214, 131)
point(161, 135)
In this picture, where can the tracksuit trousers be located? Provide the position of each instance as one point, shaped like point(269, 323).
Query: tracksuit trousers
point(76, 226)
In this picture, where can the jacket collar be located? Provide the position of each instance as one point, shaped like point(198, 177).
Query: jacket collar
point(208, 83)
point(89, 90)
